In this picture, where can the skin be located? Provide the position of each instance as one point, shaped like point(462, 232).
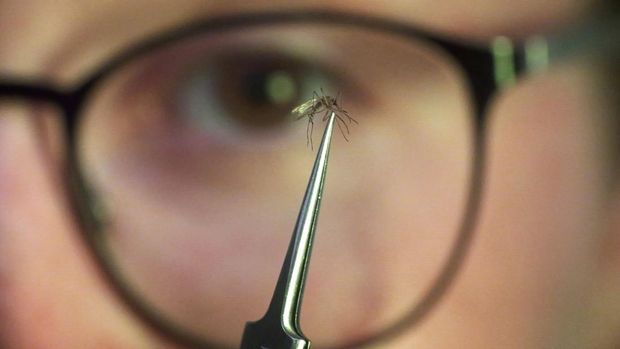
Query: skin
point(544, 271)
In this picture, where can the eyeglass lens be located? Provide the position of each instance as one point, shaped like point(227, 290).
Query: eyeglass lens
point(198, 169)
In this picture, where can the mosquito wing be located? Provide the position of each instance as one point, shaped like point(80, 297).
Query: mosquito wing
point(304, 109)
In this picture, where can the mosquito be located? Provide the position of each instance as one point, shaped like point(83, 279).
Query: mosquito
point(319, 104)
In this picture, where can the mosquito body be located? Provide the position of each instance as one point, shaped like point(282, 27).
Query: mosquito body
point(323, 104)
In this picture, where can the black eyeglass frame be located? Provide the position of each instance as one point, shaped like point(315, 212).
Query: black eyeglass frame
point(477, 63)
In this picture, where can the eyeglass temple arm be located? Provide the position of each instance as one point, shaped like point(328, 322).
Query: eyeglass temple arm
point(538, 52)
point(597, 34)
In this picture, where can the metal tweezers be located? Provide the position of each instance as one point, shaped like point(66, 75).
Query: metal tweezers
point(279, 328)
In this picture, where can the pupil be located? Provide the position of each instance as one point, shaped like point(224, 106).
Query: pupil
point(271, 88)
point(258, 92)
point(261, 98)
point(281, 88)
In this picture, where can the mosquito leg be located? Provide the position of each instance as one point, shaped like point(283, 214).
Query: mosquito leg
point(311, 129)
point(351, 119)
point(346, 113)
point(327, 113)
point(338, 120)
point(343, 122)
point(308, 131)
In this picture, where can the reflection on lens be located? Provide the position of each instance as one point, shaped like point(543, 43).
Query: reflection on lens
point(193, 153)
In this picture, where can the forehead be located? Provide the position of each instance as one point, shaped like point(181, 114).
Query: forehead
point(65, 38)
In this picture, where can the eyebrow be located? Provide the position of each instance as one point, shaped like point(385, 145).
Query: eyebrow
point(95, 33)
point(90, 34)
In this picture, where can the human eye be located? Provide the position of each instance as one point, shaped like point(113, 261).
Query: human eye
point(231, 91)
point(247, 94)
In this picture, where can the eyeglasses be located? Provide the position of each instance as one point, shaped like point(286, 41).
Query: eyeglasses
point(184, 169)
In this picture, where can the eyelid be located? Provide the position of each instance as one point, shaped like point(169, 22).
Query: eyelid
point(313, 51)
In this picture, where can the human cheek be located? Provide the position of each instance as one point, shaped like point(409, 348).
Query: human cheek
point(547, 184)
point(52, 296)
point(533, 263)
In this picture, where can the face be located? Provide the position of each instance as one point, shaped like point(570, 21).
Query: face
point(543, 270)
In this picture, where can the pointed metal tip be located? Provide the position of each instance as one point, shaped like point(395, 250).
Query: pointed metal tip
point(280, 328)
